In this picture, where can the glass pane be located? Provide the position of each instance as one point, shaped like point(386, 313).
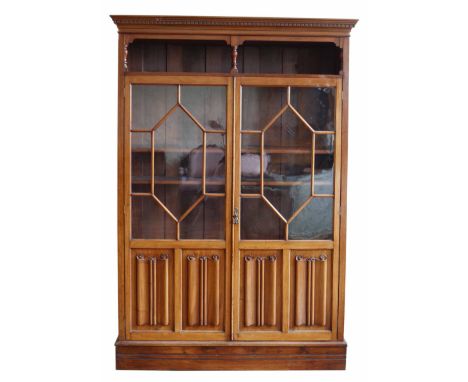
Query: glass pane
point(177, 195)
point(260, 105)
point(250, 163)
point(179, 142)
point(205, 221)
point(141, 162)
point(149, 220)
point(289, 154)
point(324, 158)
point(316, 106)
point(314, 222)
point(288, 143)
point(215, 163)
point(207, 104)
point(178, 163)
point(259, 222)
point(150, 103)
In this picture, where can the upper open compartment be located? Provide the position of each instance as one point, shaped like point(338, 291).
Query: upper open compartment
point(264, 57)
point(176, 56)
point(252, 57)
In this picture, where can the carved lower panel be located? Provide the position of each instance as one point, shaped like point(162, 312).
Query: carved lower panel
point(310, 288)
point(203, 289)
point(260, 285)
point(153, 293)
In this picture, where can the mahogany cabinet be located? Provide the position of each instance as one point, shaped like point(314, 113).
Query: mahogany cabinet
point(232, 164)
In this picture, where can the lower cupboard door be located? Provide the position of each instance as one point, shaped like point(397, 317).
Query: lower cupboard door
point(285, 295)
point(178, 294)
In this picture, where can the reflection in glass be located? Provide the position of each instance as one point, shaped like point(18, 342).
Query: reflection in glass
point(259, 222)
point(314, 222)
point(197, 224)
point(316, 106)
point(288, 143)
point(324, 158)
point(215, 163)
point(150, 103)
point(141, 162)
point(149, 220)
point(250, 163)
point(207, 104)
point(259, 105)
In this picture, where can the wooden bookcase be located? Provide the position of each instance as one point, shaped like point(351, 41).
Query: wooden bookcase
point(232, 166)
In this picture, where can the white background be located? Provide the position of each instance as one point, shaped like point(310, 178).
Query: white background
point(406, 312)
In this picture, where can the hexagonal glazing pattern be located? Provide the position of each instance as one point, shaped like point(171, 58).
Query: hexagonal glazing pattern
point(179, 114)
point(288, 112)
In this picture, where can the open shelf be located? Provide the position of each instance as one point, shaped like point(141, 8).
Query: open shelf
point(253, 57)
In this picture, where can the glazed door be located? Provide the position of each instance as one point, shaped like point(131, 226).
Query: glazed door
point(286, 206)
point(178, 211)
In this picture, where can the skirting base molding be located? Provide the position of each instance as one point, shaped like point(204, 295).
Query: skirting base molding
point(142, 355)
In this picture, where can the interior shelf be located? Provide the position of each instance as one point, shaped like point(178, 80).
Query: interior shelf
point(249, 150)
point(197, 182)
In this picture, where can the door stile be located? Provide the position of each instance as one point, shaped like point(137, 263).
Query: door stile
point(178, 290)
point(337, 208)
point(343, 186)
point(127, 211)
point(286, 285)
point(121, 199)
point(236, 207)
point(230, 111)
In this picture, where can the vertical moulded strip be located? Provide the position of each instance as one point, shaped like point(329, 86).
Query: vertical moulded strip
point(312, 319)
point(259, 291)
point(202, 291)
point(154, 291)
point(262, 292)
point(165, 315)
point(323, 258)
point(215, 321)
point(178, 292)
point(270, 307)
point(192, 291)
point(249, 290)
point(309, 292)
point(205, 290)
point(142, 291)
point(300, 313)
point(286, 317)
point(151, 292)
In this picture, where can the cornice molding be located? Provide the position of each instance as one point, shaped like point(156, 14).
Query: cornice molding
point(345, 24)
